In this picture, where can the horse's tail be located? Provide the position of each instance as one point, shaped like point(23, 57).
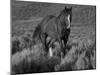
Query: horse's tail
point(37, 32)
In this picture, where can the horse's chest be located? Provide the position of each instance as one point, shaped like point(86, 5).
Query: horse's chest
point(65, 32)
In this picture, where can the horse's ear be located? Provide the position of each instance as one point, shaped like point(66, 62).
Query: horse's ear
point(65, 8)
point(70, 8)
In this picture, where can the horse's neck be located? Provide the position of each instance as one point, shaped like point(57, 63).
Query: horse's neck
point(61, 19)
point(60, 22)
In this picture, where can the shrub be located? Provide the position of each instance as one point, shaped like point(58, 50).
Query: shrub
point(15, 44)
point(32, 61)
point(22, 42)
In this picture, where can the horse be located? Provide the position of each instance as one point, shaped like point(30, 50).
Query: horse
point(55, 27)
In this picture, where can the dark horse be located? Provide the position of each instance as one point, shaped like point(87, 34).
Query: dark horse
point(56, 27)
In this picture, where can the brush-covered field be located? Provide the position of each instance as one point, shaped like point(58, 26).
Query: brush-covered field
point(29, 57)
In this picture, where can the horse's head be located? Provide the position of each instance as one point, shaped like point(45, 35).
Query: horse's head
point(66, 16)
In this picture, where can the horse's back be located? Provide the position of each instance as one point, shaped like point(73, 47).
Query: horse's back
point(45, 20)
point(41, 25)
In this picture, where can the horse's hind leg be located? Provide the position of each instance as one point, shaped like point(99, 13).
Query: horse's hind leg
point(43, 40)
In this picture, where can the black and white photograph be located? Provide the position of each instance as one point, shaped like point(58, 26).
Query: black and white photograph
point(52, 37)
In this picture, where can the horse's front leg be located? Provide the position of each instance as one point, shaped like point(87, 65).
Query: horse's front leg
point(61, 47)
point(64, 47)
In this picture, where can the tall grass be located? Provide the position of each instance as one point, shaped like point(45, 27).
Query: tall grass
point(32, 61)
point(81, 55)
point(30, 57)
point(24, 41)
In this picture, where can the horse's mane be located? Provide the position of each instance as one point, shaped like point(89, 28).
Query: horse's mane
point(46, 19)
point(60, 18)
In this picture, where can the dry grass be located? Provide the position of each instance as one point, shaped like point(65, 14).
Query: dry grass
point(33, 61)
point(80, 55)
